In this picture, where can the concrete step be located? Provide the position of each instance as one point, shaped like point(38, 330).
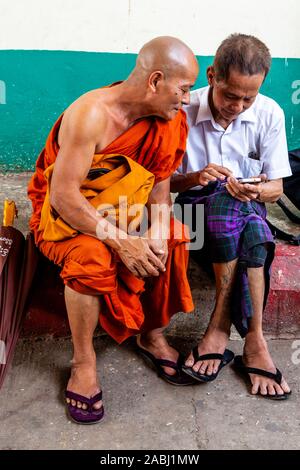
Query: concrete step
point(282, 313)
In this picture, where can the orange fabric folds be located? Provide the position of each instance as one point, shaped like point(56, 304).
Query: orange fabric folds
point(129, 305)
point(157, 145)
point(147, 152)
point(126, 179)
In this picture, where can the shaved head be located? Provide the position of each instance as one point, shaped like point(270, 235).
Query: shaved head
point(166, 69)
point(167, 54)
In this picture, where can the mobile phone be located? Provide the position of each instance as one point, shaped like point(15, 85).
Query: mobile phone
point(249, 180)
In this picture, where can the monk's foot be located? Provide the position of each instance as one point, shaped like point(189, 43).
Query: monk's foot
point(155, 343)
point(256, 355)
point(214, 341)
point(83, 381)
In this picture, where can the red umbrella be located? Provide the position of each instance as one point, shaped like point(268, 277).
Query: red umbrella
point(18, 261)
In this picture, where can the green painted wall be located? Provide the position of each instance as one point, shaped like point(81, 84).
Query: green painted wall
point(36, 86)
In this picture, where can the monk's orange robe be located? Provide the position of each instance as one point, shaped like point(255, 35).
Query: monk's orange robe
point(129, 304)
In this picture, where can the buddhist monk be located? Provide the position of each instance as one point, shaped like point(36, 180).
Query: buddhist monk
point(131, 284)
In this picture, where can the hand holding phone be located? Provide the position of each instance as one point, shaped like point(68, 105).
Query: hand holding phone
point(246, 189)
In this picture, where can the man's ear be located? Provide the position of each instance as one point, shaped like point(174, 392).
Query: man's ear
point(210, 73)
point(154, 80)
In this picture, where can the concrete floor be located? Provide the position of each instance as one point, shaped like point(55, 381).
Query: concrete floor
point(142, 411)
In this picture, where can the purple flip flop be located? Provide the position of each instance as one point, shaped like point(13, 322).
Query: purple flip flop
point(88, 416)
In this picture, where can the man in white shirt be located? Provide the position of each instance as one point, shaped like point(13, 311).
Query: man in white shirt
point(235, 132)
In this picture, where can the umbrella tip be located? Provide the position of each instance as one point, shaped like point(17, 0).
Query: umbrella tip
point(9, 213)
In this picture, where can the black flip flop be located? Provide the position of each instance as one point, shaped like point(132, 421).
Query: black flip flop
point(157, 364)
point(225, 359)
point(245, 371)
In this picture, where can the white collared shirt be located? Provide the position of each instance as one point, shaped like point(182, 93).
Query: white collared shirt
point(254, 143)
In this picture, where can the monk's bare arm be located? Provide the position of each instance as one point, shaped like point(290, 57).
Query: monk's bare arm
point(159, 209)
point(78, 141)
point(159, 205)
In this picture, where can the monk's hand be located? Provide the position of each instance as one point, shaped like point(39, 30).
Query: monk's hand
point(213, 172)
point(245, 192)
point(160, 248)
point(139, 258)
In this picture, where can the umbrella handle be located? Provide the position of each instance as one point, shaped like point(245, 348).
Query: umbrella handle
point(9, 213)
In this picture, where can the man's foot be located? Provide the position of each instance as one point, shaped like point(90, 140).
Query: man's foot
point(213, 342)
point(256, 355)
point(83, 381)
point(157, 345)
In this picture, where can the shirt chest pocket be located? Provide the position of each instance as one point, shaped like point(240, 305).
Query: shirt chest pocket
point(251, 167)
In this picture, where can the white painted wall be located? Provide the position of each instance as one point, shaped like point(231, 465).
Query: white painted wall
point(125, 25)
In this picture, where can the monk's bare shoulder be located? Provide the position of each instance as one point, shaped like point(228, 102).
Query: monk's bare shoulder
point(85, 119)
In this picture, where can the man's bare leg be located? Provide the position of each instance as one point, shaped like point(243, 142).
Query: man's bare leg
point(256, 352)
point(83, 314)
point(217, 334)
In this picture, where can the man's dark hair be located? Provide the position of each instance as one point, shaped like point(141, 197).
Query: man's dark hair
point(245, 54)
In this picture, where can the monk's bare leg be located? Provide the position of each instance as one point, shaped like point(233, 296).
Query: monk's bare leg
point(83, 314)
point(217, 334)
point(256, 352)
point(155, 342)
